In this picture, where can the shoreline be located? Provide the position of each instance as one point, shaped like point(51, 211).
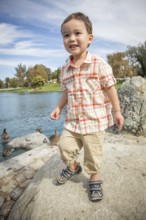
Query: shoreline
point(46, 88)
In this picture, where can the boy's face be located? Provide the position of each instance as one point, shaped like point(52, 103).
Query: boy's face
point(75, 37)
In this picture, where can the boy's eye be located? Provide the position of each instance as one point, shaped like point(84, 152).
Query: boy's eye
point(78, 33)
point(66, 35)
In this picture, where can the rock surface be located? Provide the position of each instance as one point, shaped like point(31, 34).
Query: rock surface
point(17, 173)
point(132, 96)
point(124, 175)
point(29, 141)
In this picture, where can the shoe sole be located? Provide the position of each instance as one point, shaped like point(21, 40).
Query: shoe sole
point(96, 199)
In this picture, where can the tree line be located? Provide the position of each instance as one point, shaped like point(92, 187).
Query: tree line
point(31, 77)
point(130, 63)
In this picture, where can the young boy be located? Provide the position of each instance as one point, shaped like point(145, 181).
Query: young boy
point(88, 91)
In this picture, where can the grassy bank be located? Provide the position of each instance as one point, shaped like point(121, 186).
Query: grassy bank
point(47, 88)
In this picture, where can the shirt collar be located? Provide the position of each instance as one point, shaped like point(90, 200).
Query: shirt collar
point(88, 59)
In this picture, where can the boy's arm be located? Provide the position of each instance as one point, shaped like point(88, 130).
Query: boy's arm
point(57, 111)
point(63, 100)
point(112, 95)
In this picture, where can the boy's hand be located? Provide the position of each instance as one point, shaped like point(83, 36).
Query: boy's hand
point(55, 114)
point(119, 120)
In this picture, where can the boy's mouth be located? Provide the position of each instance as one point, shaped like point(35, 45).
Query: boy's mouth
point(73, 46)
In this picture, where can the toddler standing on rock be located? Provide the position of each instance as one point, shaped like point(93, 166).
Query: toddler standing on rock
point(88, 88)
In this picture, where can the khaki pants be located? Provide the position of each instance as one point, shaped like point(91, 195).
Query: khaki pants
point(71, 143)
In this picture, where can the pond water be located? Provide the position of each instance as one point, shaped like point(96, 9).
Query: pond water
point(22, 113)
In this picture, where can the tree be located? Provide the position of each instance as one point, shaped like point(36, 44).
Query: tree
point(13, 82)
point(7, 79)
point(1, 84)
point(38, 70)
point(49, 73)
point(26, 83)
point(20, 73)
point(37, 81)
point(137, 56)
point(120, 65)
point(56, 74)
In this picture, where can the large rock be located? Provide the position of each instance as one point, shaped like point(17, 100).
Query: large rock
point(17, 173)
point(132, 96)
point(29, 141)
point(124, 176)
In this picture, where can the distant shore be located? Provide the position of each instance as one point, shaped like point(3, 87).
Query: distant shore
point(55, 87)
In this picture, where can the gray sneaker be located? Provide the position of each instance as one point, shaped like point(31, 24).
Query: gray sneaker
point(66, 174)
point(96, 192)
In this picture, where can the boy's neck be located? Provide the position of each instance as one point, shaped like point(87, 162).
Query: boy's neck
point(78, 60)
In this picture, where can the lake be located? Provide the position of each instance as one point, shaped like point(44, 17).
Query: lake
point(22, 113)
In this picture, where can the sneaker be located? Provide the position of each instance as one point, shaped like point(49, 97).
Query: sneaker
point(66, 174)
point(96, 192)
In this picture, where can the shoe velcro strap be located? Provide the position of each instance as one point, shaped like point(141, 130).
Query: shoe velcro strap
point(66, 172)
point(95, 185)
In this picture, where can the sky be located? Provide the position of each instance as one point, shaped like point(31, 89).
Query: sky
point(30, 30)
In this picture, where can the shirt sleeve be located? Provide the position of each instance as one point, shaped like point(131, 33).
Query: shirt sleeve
point(107, 78)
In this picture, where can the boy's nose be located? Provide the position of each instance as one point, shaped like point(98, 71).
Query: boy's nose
point(72, 37)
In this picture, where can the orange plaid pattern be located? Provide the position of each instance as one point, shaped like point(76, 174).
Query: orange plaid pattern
point(88, 108)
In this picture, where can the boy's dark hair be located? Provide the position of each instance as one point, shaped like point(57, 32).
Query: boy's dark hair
point(79, 16)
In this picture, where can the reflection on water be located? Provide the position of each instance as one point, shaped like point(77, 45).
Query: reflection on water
point(22, 113)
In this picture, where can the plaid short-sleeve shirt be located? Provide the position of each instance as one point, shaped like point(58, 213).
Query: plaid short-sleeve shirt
point(88, 108)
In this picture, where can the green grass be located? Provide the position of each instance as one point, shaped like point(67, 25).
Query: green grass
point(46, 88)
point(50, 87)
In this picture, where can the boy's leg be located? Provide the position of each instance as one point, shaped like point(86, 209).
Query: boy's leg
point(69, 146)
point(94, 177)
point(93, 152)
point(73, 165)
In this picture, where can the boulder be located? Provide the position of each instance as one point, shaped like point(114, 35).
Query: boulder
point(132, 96)
point(123, 173)
point(27, 142)
point(17, 173)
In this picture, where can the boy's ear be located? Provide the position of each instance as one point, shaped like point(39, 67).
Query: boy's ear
point(90, 37)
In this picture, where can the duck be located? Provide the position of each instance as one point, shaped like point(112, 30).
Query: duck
point(38, 130)
point(7, 151)
point(54, 139)
point(5, 135)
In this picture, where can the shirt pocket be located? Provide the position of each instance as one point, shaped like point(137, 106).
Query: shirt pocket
point(92, 83)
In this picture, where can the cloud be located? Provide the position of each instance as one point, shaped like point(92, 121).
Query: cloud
point(29, 49)
point(36, 13)
point(9, 33)
point(15, 41)
point(117, 21)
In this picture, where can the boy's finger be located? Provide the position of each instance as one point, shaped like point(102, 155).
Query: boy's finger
point(120, 124)
point(54, 116)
